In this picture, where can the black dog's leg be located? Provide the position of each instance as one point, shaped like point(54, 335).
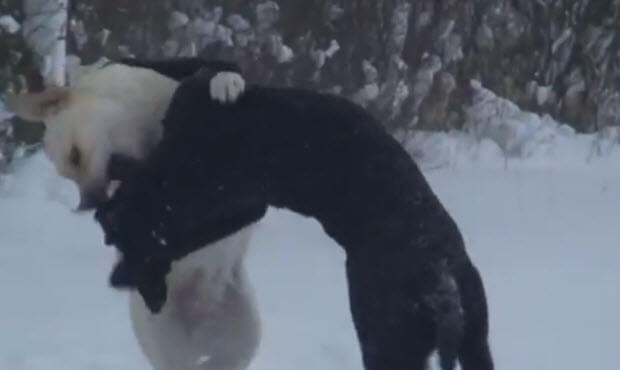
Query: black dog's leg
point(474, 353)
point(395, 328)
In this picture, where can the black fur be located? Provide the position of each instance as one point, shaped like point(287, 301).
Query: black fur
point(183, 67)
point(412, 286)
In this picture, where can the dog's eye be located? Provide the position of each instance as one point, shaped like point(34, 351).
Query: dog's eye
point(75, 157)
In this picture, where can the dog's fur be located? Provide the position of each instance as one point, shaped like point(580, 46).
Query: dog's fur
point(105, 112)
point(211, 320)
point(116, 109)
point(412, 286)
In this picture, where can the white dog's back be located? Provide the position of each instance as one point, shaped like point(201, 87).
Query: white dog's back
point(210, 321)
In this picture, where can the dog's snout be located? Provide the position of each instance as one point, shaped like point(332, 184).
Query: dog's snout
point(91, 199)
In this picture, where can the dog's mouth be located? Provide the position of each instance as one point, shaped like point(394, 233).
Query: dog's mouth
point(90, 200)
point(112, 188)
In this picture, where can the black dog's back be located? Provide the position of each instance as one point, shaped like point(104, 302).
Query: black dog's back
point(411, 285)
point(182, 68)
point(348, 168)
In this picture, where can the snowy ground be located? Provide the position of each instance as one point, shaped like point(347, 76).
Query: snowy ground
point(543, 232)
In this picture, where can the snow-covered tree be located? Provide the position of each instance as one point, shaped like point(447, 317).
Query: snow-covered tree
point(45, 29)
point(31, 43)
point(409, 62)
point(13, 56)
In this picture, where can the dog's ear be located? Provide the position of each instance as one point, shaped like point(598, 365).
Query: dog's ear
point(38, 106)
point(122, 167)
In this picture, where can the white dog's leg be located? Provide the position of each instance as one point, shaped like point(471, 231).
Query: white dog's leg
point(226, 87)
point(210, 320)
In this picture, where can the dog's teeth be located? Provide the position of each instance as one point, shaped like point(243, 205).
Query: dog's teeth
point(112, 188)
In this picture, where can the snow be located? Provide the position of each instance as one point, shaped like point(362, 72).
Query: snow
point(4, 112)
point(285, 54)
point(431, 64)
point(203, 27)
point(334, 12)
point(238, 23)
point(45, 20)
point(177, 20)
point(9, 24)
point(366, 94)
point(267, 14)
point(400, 26)
point(518, 133)
point(542, 228)
point(333, 48)
point(321, 56)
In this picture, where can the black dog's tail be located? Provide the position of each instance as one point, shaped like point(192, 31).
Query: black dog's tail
point(461, 318)
point(473, 349)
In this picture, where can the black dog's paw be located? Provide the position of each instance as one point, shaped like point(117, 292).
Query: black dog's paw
point(123, 276)
point(154, 294)
point(148, 278)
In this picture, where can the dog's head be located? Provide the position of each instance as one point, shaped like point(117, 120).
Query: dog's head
point(115, 110)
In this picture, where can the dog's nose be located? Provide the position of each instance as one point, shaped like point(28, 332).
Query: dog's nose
point(84, 206)
point(91, 199)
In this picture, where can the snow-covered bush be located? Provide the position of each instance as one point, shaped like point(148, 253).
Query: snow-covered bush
point(553, 57)
point(410, 64)
point(497, 132)
point(10, 57)
point(518, 133)
point(8, 24)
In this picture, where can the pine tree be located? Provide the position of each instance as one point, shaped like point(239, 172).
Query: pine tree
point(409, 62)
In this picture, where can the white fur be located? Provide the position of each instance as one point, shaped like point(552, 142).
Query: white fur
point(226, 87)
point(209, 320)
point(117, 109)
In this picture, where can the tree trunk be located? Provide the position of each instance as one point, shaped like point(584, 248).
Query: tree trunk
point(59, 51)
point(45, 28)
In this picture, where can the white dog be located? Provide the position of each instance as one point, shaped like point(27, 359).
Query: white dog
point(210, 320)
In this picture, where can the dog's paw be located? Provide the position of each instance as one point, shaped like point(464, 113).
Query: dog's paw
point(148, 277)
point(226, 87)
point(154, 295)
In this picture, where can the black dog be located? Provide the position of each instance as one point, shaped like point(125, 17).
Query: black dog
point(412, 286)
